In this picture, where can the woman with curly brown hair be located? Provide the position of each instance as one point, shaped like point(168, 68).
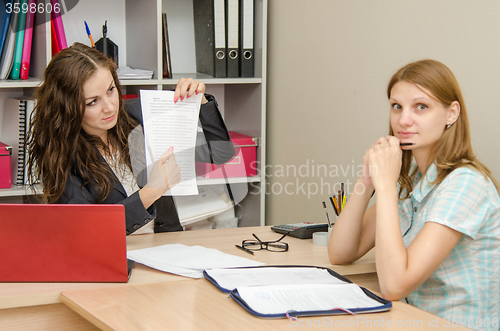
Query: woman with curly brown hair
point(87, 146)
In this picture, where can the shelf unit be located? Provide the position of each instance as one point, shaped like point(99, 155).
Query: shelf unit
point(136, 27)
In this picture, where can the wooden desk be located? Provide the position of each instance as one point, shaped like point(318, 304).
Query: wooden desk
point(302, 252)
point(198, 305)
point(37, 306)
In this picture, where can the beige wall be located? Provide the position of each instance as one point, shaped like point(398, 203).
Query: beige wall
point(329, 62)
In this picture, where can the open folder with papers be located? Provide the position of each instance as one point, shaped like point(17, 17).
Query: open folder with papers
point(278, 291)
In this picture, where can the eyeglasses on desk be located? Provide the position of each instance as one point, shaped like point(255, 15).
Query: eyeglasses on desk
point(273, 246)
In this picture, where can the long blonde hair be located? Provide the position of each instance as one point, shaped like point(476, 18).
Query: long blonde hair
point(454, 148)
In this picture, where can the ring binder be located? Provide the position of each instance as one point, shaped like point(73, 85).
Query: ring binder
point(233, 61)
point(247, 38)
point(9, 45)
point(210, 37)
point(28, 37)
point(16, 123)
point(18, 53)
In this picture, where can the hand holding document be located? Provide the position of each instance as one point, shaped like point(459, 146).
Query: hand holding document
point(168, 124)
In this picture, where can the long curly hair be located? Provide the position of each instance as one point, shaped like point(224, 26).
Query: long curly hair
point(56, 143)
point(454, 148)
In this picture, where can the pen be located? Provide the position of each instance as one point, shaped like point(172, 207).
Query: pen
point(342, 196)
point(344, 201)
point(406, 144)
point(336, 204)
point(333, 204)
point(339, 201)
point(244, 249)
point(90, 35)
point(327, 217)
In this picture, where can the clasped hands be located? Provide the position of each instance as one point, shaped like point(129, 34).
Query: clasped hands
point(382, 163)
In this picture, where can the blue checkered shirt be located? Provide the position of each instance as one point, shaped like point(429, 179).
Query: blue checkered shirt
point(465, 288)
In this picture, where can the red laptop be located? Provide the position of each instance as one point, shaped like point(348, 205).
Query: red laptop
point(62, 243)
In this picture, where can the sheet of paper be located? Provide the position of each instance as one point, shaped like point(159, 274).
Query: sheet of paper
point(168, 124)
point(189, 261)
point(232, 278)
point(207, 203)
point(280, 299)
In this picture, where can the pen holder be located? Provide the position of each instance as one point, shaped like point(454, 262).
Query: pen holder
point(108, 48)
point(321, 238)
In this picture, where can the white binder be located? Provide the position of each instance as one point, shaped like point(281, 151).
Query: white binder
point(233, 38)
point(247, 38)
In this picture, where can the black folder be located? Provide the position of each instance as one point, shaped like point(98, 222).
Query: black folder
point(210, 37)
point(247, 23)
point(233, 38)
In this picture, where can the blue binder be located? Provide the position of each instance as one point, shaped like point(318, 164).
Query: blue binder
point(9, 45)
point(5, 18)
point(18, 53)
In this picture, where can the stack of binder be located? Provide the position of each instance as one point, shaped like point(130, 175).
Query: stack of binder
point(224, 37)
point(16, 124)
point(58, 36)
point(16, 37)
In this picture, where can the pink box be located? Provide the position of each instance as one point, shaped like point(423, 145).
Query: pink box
point(241, 165)
point(5, 168)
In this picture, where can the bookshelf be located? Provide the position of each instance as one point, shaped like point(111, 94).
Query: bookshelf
point(136, 27)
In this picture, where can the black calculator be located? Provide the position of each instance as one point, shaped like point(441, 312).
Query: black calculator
point(303, 230)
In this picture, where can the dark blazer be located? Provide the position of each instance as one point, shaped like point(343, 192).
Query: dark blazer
point(213, 145)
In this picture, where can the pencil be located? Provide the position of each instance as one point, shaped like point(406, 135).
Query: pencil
point(327, 217)
point(333, 204)
point(339, 201)
point(244, 249)
point(406, 144)
point(343, 195)
point(336, 204)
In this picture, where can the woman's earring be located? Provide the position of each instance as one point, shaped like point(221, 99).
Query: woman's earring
point(448, 126)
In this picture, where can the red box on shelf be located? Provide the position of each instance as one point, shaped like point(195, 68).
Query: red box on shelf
point(5, 168)
point(241, 165)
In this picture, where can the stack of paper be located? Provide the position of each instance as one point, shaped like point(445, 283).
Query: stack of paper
point(194, 208)
point(318, 298)
point(129, 73)
point(188, 261)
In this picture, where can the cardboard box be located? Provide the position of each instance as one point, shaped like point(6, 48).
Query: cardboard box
point(241, 165)
point(5, 168)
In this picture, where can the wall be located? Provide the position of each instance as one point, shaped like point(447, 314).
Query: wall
point(329, 62)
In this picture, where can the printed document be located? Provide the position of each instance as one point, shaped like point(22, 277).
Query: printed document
point(280, 299)
point(232, 278)
point(188, 261)
point(168, 124)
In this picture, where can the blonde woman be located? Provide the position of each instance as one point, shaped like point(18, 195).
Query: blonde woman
point(436, 221)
